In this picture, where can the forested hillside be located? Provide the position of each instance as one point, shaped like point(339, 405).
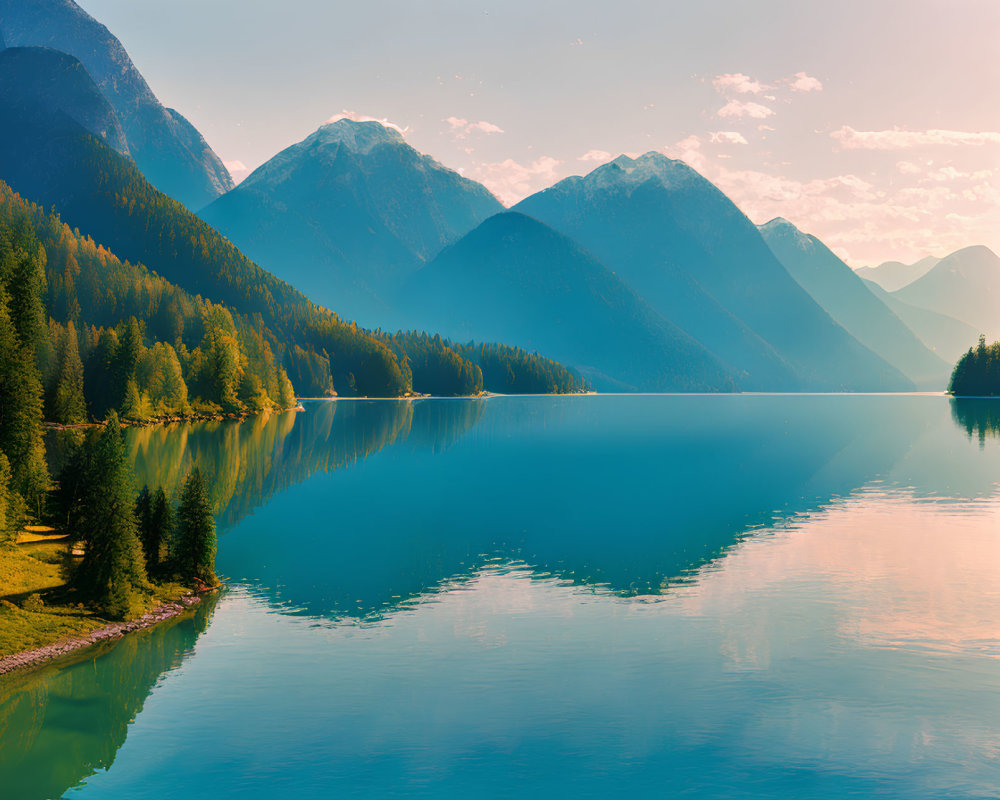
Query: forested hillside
point(117, 337)
point(442, 367)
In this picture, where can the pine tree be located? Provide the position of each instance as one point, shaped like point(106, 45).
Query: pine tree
point(68, 404)
point(286, 394)
point(196, 537)
point(11, 505)
point(132, 406)
point(112, 573)
point(143, 518)
point(21, 412)
point(161, 522)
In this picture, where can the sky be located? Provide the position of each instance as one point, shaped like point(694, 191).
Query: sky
point(871, 124)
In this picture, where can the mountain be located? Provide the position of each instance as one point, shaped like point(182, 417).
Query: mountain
point(515, 279)
point(946, 336)
point(51, 159)
point(50, 84)
point(844, 296)
point(964, 285)
point(694, 257)
point(171, 153)
point(349, 212)
point(893, 275)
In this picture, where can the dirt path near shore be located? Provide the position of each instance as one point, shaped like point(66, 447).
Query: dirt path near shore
point(32, 658)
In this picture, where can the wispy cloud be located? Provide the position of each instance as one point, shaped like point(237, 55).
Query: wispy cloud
point(460, 128)
point(726, 137)
point(738, 110)
point(512, 181)
point(897, 139)
point(354, 116)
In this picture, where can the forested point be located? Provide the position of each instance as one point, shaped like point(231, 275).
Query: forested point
point(128, 544)
point(443, 368)
point(977, 373)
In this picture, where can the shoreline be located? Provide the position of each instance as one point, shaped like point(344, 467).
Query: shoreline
point(38, 656)
point(152, 422)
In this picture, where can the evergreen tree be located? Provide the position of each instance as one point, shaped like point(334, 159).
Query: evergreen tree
point(143, 519)
point(21, 394)
point(112, 574)
point(68, 405)
point(161, 523)
point(196, 537)
point(11, 505)
point(286, 394)
point(133, 406)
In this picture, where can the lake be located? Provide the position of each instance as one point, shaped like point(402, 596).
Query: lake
point(730, 596)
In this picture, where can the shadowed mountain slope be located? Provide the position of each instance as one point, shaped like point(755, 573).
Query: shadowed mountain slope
point(171, 153)
point(515, 279)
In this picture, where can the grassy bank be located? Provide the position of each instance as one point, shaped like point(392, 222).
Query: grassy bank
point(37, 607)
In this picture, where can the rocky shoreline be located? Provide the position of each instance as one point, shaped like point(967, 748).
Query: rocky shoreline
point(40, 655)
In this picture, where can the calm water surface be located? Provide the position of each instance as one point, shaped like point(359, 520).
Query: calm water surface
point(718, 597)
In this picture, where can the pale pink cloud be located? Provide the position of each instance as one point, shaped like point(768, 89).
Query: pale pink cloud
point(597, 156)
point(354, 116)
point(898, 139)
point(738, 109)
point(237, 169)
point(726, 137)
point(460, 127)
point(512, 181)
point(689, 151)
point(737, 83)
point(801, 82)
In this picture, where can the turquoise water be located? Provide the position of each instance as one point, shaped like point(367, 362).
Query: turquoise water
point(718, 597)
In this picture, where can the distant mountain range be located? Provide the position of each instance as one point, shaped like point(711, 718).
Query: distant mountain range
point(171, 153)
point(348, 213)
point(695, 257)
point(946, 336)
point(893, 275)
point(964, 285)
point(641, 274)
point(844, 295)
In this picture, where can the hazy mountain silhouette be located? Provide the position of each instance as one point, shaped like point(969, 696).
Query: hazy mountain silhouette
point(171, 153)
point(517, 280)
point(349, 212)
point(964, 285)
point(54, 89)
point(946, 336)
point(695, 258)
point(893, 275)
point(837, 288)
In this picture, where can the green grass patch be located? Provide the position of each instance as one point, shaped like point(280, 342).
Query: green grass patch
point(30, 568)
point(36, 568)
point(26, 630)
